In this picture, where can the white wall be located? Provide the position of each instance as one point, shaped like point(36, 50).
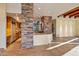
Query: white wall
point(77, 26)
point(2, 25)
point(14, 7)
point(65, 27)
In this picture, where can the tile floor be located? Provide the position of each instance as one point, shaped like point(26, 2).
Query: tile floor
point(73, 52)
point(16, 50)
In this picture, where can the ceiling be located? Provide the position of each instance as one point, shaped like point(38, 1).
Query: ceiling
point(52, 9)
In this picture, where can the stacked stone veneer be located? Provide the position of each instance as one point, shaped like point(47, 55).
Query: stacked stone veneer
point(27, 25)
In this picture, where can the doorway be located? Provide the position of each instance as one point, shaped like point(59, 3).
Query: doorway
point(54, 29)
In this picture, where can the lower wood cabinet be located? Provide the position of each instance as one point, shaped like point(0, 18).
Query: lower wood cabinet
point(11, 40)
point(8, 40)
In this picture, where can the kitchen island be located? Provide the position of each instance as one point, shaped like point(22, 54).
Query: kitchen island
point(42, 39)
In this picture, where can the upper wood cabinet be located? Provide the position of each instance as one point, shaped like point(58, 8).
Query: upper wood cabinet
point(13, 7)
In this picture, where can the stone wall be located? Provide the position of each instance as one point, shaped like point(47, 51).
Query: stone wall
point(27, 25)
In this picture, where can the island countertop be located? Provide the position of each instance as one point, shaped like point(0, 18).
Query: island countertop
point(42, 33)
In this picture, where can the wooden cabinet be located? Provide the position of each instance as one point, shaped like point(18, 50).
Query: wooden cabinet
point(8, 40)
point(13, 30)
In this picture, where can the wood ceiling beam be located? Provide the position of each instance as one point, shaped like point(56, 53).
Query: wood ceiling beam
point(71, 12)
point(76, 15)
point(74, 11)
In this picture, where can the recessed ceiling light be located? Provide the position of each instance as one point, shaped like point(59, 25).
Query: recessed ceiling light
point(39, 8)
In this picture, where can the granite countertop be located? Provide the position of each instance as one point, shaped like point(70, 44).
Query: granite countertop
point(41, 33)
